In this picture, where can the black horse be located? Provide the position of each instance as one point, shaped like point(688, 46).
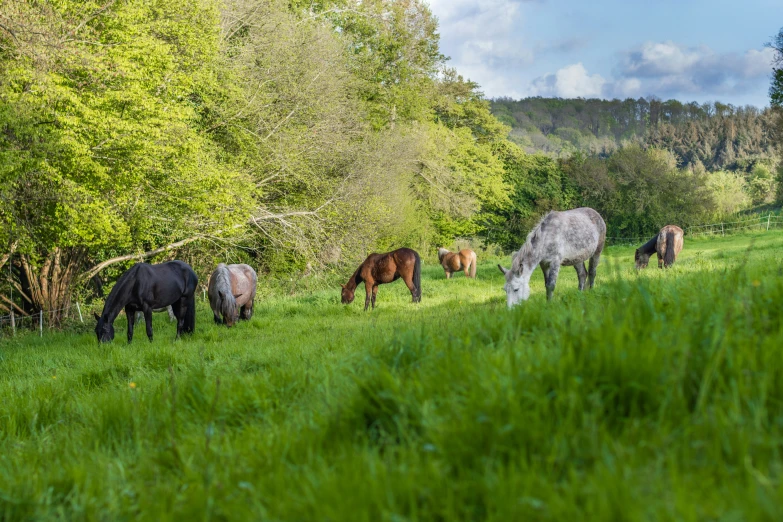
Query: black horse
point(145, 287)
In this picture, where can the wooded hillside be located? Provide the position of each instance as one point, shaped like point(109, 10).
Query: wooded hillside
point(716, 136)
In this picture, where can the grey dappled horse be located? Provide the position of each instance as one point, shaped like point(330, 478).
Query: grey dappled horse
point(561, 238)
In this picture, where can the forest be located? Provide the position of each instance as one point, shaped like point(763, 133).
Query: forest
point(301, 135)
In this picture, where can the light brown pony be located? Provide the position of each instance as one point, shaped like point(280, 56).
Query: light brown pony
point(378, 269)
point(232, 287)
point(464, 260)
point(667, 244)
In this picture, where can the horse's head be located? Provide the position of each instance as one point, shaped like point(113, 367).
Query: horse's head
point(517, 287)
point(229, 309)
point(104, 330)
point(641, 259)
point(347, 295)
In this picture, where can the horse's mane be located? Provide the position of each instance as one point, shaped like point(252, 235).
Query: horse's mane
point(119, 287)
point(226, 302)
point(527, 249)
point(442, 252)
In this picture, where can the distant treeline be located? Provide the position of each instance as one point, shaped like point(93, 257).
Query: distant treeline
point(715, 136)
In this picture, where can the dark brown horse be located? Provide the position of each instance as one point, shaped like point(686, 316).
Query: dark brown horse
point(667, 244)
point(378, 269)
point(464, 260)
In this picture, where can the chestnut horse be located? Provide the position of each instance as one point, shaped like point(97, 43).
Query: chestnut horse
point(667, 244)
point(232, 287)
point(378, 269)
point(464, 260)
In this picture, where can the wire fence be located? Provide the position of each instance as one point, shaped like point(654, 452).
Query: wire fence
point(761, 223)
point(40, 319)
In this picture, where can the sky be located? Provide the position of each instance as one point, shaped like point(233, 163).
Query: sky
point(690, 50)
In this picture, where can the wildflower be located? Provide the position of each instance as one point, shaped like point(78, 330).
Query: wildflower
point(132, 385)
point(756, 283)
point(54, 376)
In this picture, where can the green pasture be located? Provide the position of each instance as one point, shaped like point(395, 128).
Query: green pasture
point(656, 396)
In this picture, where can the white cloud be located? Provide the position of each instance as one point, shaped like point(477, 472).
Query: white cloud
point(483, 39)
point(664, 70)
point(572, 81)
point(670, 69)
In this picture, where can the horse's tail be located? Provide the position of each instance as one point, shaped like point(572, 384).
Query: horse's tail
point(189, 325)
point(417, 276)
point(472, 264)
point(668, 256)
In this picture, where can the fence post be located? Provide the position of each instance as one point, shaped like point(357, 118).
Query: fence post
point(78, 309)
point(769, 216)
point(40, 323)
point(13, 322)
point(722, 233)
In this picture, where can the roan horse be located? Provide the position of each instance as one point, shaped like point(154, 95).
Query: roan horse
point(146, 287)
point(232, 287)
point(378, 269)
point(561, 238)
point(667, 244)
point(464, 260)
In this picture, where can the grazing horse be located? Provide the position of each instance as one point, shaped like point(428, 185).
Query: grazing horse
point(464, 260)
point(378, 269)
point(146, 287)
point(667, 244)
point(232, 287)
point(561, 238)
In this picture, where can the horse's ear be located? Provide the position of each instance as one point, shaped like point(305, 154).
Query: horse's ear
point(97, 317)
point(503, 270)
point(343, 286)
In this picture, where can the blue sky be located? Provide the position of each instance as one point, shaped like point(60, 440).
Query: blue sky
point(700, 50)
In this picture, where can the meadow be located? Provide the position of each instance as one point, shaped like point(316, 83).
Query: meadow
point(655, 396)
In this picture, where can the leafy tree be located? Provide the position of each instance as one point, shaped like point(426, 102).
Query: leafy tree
point(99, 147)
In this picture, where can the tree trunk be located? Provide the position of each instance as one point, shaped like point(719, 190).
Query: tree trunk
point(49, 286)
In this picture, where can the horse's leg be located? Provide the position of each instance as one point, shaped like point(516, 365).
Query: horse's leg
point(131, 313)
point(660, 260)
point(409, 283)
point(148, 320)
point(368, 291)
point(182, 306)
point(448, 274)
point(551, 279)
point(591, 269)
point(581, 273)
point(374, 293)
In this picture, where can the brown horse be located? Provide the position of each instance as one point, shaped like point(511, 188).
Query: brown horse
point(378, 269)
point(464, 260)
point(667, 244)
point(232, 287)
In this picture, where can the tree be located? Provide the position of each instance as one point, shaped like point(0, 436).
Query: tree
point(776, 89)
point(99, 147)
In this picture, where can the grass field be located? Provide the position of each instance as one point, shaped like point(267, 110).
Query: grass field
point(654, 397)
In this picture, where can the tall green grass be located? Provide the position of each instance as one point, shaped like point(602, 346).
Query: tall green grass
point(656, 396)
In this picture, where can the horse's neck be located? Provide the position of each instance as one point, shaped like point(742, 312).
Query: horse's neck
point(355, 279)
point(528, 263)
point(116, 301)
point(649, 247)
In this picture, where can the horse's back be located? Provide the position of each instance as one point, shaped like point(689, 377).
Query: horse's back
point(572, 236)
point(163, 284)
point(243, 281)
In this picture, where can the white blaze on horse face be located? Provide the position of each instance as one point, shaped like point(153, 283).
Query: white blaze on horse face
point(517, 288)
